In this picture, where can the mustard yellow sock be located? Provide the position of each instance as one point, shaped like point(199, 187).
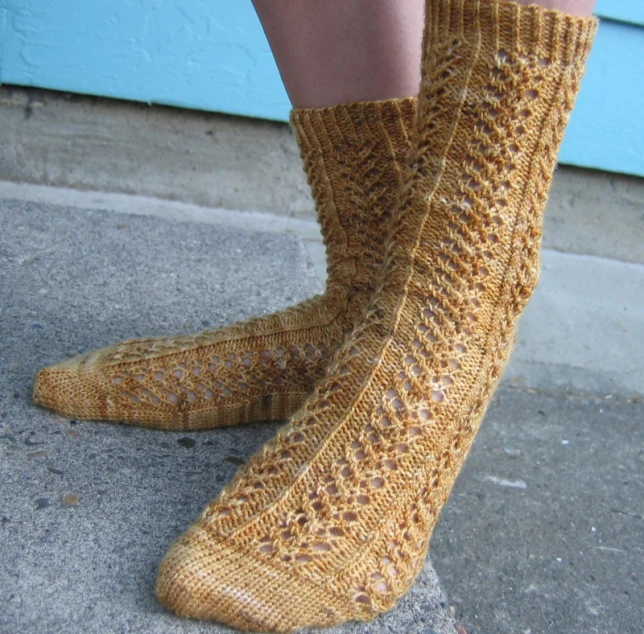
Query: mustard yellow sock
point(265, 368)
point(331, 520)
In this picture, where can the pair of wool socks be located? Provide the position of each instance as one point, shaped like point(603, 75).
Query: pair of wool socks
point(331, 520)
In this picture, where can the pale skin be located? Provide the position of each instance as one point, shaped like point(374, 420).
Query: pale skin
point(338, 51)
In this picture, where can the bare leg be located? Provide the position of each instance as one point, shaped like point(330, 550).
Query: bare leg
point(336, 51)
point(339, 51)
point(574, 7)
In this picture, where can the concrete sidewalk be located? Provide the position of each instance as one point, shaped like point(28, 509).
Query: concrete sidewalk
point(87, 510)
point(543, 532)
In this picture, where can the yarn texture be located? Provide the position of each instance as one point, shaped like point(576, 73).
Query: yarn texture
point(265, 368)
point(331, 520)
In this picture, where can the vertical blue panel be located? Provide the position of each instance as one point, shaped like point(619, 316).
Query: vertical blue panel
point(3, 37)
point(621, 10)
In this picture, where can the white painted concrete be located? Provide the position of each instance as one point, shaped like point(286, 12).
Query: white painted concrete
point(212, 160)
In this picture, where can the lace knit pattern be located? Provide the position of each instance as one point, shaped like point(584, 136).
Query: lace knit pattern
point(331, 520)
point(262, 369)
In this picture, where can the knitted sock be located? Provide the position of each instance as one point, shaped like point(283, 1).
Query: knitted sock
point(265, 368)
point(331, 520)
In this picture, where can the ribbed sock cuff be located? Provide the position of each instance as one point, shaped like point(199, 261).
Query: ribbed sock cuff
point(500, 25)
point(351, 124)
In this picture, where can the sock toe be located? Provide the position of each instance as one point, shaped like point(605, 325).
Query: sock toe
point(204, 579)
point(67, 389)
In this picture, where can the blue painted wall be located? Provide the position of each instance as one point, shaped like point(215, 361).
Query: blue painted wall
point(212, 55)
point(606, 129)
point(203, 54)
